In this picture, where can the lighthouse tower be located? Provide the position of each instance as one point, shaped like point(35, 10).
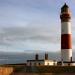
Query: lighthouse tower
point(66, 34)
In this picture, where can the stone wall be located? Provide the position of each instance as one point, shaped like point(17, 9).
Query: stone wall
point(6, 70)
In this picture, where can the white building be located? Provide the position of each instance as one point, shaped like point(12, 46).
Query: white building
point(65, 63)
point(40, 62)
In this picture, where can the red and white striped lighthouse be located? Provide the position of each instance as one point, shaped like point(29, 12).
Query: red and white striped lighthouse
point(66, 34)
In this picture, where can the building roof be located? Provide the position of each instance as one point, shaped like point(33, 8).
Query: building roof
point(65, 6)
point(35, 60)
point(39, 60)
point(66, 61)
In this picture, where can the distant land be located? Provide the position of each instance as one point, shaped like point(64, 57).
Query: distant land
point(21, 57)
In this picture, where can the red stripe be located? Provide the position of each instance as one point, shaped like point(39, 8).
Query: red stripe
point(66, 41)
point(65, 17)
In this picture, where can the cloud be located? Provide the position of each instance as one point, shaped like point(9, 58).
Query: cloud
point(38, 33)
point(35, 35)
point(17, 13)
point(27, 25)
point(30, 24)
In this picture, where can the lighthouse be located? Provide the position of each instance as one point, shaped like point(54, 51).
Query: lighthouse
point(66, 34)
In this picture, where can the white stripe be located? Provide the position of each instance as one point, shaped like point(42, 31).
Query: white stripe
point(66, 28)
point(66, 54)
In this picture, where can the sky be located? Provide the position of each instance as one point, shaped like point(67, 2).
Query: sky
point(32, 25)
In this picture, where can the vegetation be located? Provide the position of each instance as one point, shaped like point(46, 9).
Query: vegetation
point(6, 70)
point(56, 69)
point(9, 69)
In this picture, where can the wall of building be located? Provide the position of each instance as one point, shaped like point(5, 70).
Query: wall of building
point(45, 62)
point(50, 62)
point(35, 63)
point(66, 63)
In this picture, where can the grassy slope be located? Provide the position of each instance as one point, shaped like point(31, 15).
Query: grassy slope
point(42, 69)
point(53, 69)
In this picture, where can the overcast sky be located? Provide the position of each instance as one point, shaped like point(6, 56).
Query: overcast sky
point(32, 25)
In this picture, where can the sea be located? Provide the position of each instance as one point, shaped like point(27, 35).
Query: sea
point(14, 58)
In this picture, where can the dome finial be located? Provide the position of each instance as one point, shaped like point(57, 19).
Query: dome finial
point(65, 3)
point(65, 6)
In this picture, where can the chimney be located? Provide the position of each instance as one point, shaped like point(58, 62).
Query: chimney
point(46, 56)
point(36, 57)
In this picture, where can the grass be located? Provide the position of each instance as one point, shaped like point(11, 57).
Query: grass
point(41, 69)
point(56, 69)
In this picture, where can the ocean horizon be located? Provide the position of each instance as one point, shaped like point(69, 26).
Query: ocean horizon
point(15, 58)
